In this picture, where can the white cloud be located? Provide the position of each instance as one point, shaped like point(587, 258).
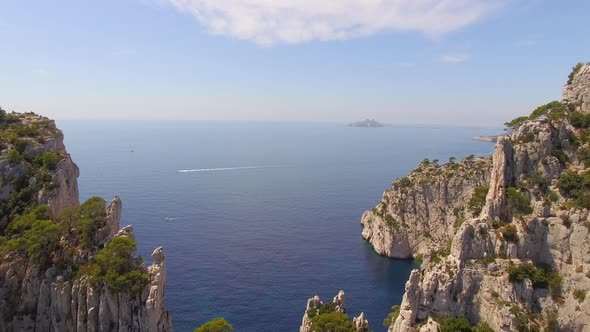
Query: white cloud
point(295, 21)
point(454, 58)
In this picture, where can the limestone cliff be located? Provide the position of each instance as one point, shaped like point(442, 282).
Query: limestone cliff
point(422, 211)
point(44, 285)
point(522, 263)
point(577, 92)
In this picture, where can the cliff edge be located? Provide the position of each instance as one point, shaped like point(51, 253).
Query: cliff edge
point(66, 266)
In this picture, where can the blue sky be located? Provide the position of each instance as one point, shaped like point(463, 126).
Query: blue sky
point(474, 62)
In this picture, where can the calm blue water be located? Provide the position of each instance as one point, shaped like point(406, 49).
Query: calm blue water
point(252, 245)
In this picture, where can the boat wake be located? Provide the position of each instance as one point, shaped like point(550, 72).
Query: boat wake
point(229, 168)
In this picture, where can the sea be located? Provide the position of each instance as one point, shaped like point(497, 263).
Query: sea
point(256, 218)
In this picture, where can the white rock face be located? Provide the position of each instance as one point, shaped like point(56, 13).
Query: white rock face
point(360, 323)
point(578, 93)
point(421, 212)
point(430, 326)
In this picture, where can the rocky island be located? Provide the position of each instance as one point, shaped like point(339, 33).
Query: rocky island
point(66, 266)
point(368, 123)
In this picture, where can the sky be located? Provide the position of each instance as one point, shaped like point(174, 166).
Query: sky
point(466, 62)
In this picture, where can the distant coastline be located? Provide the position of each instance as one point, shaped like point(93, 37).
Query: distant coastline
point(492, 139)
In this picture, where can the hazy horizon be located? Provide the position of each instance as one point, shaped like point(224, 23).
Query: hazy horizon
point(436, 62)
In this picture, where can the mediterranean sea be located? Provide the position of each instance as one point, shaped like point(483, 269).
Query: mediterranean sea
point(255, 218)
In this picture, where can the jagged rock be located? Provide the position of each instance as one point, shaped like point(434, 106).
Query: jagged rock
point(430, 326)
point(360, 323)
point(126, 231)
point(313, 303)
point(339, 301)
point(578, 92)
point(313, 308)
point(496, 199)
point(409, 305)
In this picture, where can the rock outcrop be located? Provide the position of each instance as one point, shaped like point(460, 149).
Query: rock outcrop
point(577, 93)
point(55, 296)
point(522, 262)
point(422, 211)
point(316, 307)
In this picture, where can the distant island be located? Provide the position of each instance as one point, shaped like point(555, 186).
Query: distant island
point(368, 123)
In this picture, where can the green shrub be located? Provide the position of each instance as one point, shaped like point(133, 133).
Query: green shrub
point(50, 160)
point(552, 196)
point(478, 200)
point(545, 110)
point(92, 213)
point(483, 327)
point(523, 321)
point(538, 179)
point(528, 138)
point(13, 156)
point(20, 144)
point(515, 123)
point(332, 322)
point(584, 156)
point(402, 183)
point(575, 70)
point(448, 247)
point(574, 185)
point(38, 239)
point(561, 156)
point(19, 225)
point(215, 325)
point(580, 120)
point(392, 316)
point(580, 295)
point(521, 203)
point(509, 233)
point(435, 257)
point(569, 182)
point(117, 268)
point(391, 222)
point(454, 325)
point(543, 277)
point(518, 273)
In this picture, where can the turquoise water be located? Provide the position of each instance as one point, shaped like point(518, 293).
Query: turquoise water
point(264, 215)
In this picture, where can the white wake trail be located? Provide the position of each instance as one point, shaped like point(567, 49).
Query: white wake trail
point(229, 168)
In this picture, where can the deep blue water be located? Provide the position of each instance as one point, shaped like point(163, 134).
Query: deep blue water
point(252, 245)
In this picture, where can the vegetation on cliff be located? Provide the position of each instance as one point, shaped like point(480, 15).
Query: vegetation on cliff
point(28, 228)
point(29, 167)
point(215, 325)
point(327, 319)
point(66, 266)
